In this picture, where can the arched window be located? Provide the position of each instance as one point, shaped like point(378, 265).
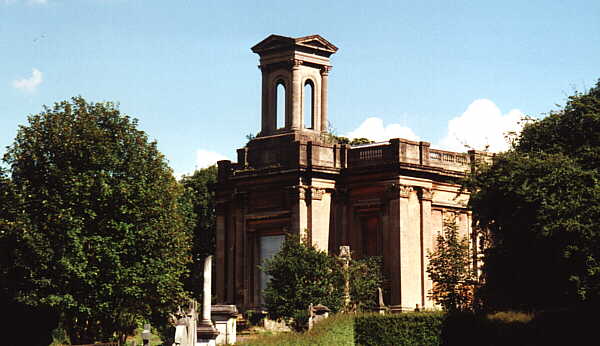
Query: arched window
point(309, 106)
point(280, 104)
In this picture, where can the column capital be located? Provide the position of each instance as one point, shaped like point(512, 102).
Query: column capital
point(396, 191)
point(325, 70)
point(316, 193)
point(405, 191)
point(295, 63)
point(424, 193)
point(297, 192)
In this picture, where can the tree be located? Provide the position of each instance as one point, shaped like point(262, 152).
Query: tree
point(540, 204)
point(100, 229)
point(201, 196)
point(301, 275)
point(450, 269)
point(365, 275)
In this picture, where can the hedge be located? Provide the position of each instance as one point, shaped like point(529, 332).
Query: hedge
point(573, 326)
point(401, 329)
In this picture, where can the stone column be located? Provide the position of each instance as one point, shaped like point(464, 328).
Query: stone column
point(393, 230)
point(426, 244)
point(409, 252)
point(266, 117)
point(221, 252)
point(294, 122)
point(324, 97)
point(206, 331)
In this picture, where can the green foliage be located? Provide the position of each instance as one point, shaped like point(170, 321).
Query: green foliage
point(400, 329)
point(301, 275)
point(563, 327)
point(98, 226)
point(366, 275)
point(449, 269)
point(330, 137)
point(540, 203)
point(197, 189)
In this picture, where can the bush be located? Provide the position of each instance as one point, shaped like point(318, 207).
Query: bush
point(365, 277)
point(401, 329)
point(301, 275)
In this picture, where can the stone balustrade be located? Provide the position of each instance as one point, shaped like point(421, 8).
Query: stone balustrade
point(290, 152)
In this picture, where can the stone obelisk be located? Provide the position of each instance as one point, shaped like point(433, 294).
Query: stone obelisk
point(205, 331)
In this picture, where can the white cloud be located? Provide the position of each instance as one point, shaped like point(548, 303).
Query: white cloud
point(374, 129)
point(29, 84)
point(206, 158)
point(482, 124)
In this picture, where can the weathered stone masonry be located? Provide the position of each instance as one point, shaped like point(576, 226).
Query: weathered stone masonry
point(383, 199)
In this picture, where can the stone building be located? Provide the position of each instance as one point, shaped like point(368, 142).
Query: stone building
point(383, 199)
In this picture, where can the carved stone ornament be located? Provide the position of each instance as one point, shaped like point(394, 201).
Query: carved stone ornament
point(405, 191)
point(297, 192)
point(396, 190)
point(424, 194)
point(325, 70)
point(345, 251)
point(296, 63)
point(317, 193)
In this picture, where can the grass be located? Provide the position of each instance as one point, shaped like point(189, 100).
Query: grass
point(511, 317)
point(336, 330)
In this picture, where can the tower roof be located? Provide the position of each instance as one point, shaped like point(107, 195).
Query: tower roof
point(313, 43)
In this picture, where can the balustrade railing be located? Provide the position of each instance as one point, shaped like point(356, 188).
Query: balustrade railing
point(379, 153)
point(447, 158)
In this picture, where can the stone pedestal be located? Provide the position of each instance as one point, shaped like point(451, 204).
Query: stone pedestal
point(225, 320)
point(207, 334)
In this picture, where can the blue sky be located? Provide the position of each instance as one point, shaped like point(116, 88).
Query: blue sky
point(447, 72)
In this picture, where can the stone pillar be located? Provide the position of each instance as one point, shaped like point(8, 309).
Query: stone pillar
point(426, 244)
point(324, 99)
point(225, 317)
point(266, 117)
point(293, 120)
point(206, 331)
point(221, 253)
point(410, 277)
point(394, 246)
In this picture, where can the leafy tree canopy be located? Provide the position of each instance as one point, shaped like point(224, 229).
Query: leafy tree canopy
point(99, 231)
point(450, 269)
point(198, 189)
point(540, 203)
point(301, 275)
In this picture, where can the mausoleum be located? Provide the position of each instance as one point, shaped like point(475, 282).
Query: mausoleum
point(383, 199)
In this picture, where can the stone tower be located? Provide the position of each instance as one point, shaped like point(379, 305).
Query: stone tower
point(300, 66)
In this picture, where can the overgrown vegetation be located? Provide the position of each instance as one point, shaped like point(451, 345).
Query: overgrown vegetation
point(540, 204)
point(198, 190)
point(93, 225)
point(301, 275)
point(450, 269)
point(365, 276)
